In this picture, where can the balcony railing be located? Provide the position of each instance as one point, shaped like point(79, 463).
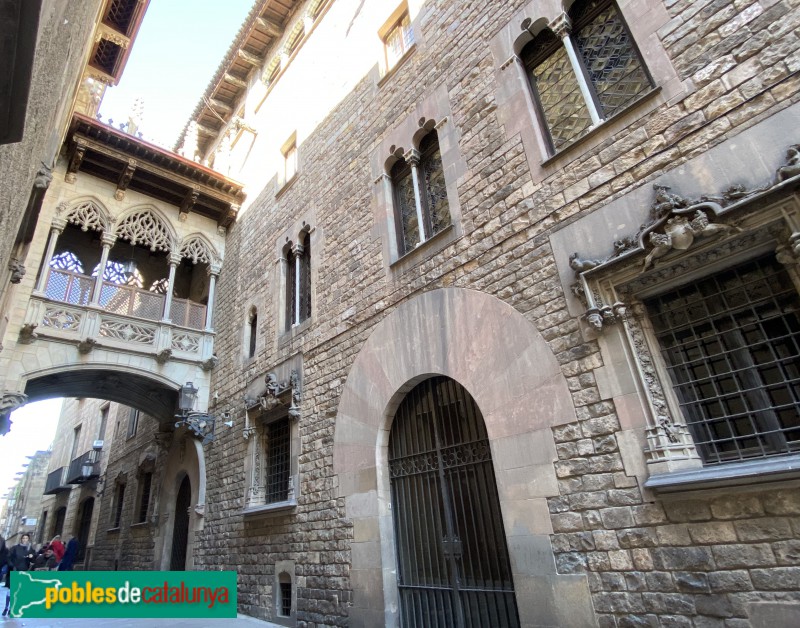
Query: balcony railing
point(76, 289)
point(55, 482)
point(84, 468)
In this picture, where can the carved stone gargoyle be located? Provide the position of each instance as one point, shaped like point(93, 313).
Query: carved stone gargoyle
point(27, 333)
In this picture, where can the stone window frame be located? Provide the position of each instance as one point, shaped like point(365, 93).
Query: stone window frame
point(743, 225)
point(303, 229)
point(290, 157)
point(118, 505)
point(566, 30)
point(133, 423)
point(431, 113)
point(140, 504)
point(516, 108)
point(284, 568)
point(277, 398)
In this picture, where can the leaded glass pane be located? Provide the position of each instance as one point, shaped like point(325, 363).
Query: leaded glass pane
point(67, 260)
point(278, 445)
point(611, 62)
point(290, 287)
point(305, 280)
point(560, 98)
point(436, 190)
point(407, 212)
point(398, 41)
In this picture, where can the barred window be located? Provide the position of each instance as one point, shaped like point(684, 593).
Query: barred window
point(116, 515)
point(731, 343)
point(420, 195)
point(604, 75)
point(143, 503)
point(277, 450)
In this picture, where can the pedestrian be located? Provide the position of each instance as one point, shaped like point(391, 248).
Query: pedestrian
point(20, 558)
point(69, 555)
point(58, 547)
point(45, 560)
point(4, 590)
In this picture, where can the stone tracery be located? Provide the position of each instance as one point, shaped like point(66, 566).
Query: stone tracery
point(145, 228)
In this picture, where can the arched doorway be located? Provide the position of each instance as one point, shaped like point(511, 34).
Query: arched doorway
point(453, 563)
point(84, 526)
point(180, 529)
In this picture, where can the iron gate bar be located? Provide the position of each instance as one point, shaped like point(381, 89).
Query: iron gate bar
point(444, 494)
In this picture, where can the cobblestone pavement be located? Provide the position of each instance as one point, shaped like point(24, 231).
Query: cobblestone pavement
point(242, 621)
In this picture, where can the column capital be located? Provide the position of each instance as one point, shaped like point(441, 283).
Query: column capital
point(561, 25)
point(298, 249)
point(174, 258)
point(214, 269)
point(412, 156)
point(108, 238)
point(58, 224)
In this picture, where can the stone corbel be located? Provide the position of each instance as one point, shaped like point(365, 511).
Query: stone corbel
point(17, 269)
point(44, 176)
point(75, 159)
point(86, 345)
point(125, 179)
point(27, 333)
point(188, 203)
point(9, 402)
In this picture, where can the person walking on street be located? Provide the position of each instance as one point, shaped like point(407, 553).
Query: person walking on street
point(69, 555)
point(20, 558)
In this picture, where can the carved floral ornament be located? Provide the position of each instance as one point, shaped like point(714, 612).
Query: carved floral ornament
point(680, 237)
point(285, 395)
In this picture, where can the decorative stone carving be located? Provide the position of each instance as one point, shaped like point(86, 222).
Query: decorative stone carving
point(85, 215)
point(195, 249)
point(125, 179)
point(43, 177)
point(561, 26)
point(275, 394)
point(210, 363)
point(163, 356)
point(9, 402)
point(145, 228)
point(86, 345)
point(788, 253)
point(27, 334)
point(679, 233)
point(186, 205)
point(17, 269)
point(792, 166)
point(78, 152)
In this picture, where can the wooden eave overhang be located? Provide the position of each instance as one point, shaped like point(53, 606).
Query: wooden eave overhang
point(114, 39)
point(262, 28)
point(132, 163)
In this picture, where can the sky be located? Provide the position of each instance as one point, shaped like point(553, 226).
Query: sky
point(33, 428)
point(176, 53)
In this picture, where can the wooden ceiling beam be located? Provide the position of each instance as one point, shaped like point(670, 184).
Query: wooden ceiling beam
point(250, 58)
point(272, 29)
point(233, 80)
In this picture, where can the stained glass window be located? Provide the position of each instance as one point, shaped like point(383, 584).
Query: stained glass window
point(405, 201)
point(606, 57)
point(438, 210)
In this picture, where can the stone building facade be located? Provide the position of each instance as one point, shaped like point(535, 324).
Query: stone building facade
point(21, 505)
point(614, 512)
point(507, 329)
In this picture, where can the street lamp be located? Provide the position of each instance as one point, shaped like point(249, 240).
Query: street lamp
point(200, 424)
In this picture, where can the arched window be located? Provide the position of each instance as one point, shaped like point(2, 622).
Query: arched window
point(420, 194)
point(603, 76)
point(298, 281)
point(252, 332)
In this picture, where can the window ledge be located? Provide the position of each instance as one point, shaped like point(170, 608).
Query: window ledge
point(268, 509)
point(112, 531)
point(285, 186)
point(730, 474)
point(140, 524)
point(431, 246)
point(600, 127)
point(400, 62)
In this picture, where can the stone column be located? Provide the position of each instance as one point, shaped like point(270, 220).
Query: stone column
point(174, 260)
point(297, 249)
point(413, 157)
point(108, 241)
point(55, 230)
point(213, 272)
point(562, 27)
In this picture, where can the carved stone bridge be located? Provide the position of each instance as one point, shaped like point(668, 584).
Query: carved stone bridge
point(128, 246)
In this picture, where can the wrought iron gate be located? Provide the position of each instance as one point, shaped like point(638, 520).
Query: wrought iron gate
point(180, 529)
point(453, 564)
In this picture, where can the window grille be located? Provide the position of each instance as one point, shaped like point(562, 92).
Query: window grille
point(291, 268)
point(120, 14)
point(106, 54)
point(607, 59)
point(277, 450)
point(406, 212)
point(731, 343)
point(305, 280)
point(144, 497)
point(118, 506)
point(286, 597)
